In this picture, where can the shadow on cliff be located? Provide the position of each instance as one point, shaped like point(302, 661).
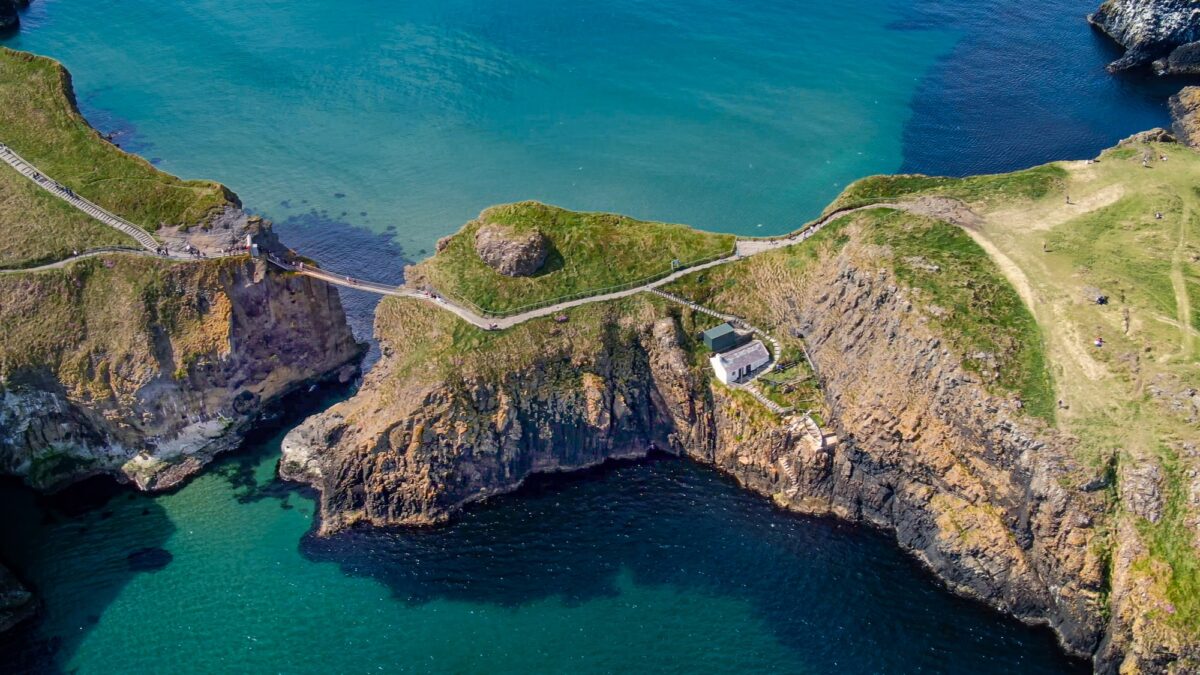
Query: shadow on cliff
point(76, 550)
point(341, 246)
point(826, 589)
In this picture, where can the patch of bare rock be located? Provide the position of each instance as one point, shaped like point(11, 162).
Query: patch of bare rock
point(512, 253)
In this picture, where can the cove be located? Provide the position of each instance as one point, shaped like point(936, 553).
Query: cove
point(369, 132)
point(633, 566)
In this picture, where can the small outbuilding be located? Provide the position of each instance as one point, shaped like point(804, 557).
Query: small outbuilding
point(735, 364)
point(720, 338)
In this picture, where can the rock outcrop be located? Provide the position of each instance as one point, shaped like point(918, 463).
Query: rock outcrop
point(1185, 114)
point(145, 369)
point(1163, 32)
point(511, 253)
point(989, 499)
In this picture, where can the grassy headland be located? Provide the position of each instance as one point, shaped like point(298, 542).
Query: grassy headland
point(1126, 227)
point(1012, 289)
point(93, 321)
point(39, 121)
point(589, 251)
point(38, 228)
point(1032, 183)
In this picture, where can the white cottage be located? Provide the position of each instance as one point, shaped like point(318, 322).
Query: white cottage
point(735, 364)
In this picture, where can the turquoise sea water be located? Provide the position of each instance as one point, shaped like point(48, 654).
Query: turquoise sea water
point(368, 130)
point(659, 566)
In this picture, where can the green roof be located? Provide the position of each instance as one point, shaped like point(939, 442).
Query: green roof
point(714, 333)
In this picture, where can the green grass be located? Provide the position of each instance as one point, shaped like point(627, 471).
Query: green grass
point(92, 321)
point(38, 228)
point(590, 252)
point(980, 313)
point(39, 120)
point(1028, 184)
point(1172, 540)
point(1126, 252)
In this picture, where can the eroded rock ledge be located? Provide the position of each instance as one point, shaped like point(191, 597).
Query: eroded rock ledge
point(988, 498)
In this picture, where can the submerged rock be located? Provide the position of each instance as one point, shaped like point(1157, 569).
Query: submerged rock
point(1151, 30)
point(511, 253)
point(149, 559)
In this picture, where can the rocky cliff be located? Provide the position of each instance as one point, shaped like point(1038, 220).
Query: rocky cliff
point(1165, 32)
point(1185, 115)
point(987, 497)
point(145, 369)
point(9, 19)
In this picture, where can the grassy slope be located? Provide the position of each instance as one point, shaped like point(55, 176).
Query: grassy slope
point(37, 228)
point(978, 310)
point(1122, 398)
point(92, 320)
point(38, 119)
point(1032, 183)
point(591, 251)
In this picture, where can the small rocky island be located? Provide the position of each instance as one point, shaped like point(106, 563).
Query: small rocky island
point(936, 383)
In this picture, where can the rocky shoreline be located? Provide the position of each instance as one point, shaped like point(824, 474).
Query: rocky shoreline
point(985, 497)
point(1164, 34)
point(202, 385)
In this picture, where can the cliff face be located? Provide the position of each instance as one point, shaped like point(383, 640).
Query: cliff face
point(1161, 31)
point(418, 447)
point(145, 369)
point(987, 497)
point(1185, 114)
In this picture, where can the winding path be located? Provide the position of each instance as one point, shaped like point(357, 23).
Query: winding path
point(744, 248)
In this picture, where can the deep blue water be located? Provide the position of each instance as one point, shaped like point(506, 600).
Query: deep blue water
point(654, 566)
point(369, 130)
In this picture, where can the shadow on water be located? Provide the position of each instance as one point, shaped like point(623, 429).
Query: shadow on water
point(116, 533)
point(358, 252)
point(122, 534)
point(840, 595)
point(1026, 84)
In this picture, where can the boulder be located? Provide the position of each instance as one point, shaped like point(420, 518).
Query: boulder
point(512, 253)
point(1185, 113)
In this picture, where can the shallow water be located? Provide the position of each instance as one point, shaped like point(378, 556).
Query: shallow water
point(368, 131)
